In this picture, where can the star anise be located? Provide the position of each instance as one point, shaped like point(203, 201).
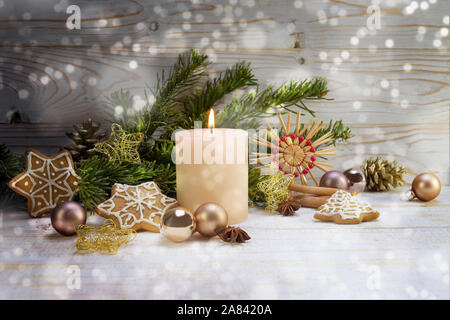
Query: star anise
point(289, 207)
point(233, 234)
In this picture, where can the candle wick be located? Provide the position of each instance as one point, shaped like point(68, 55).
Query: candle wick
point(211, 130)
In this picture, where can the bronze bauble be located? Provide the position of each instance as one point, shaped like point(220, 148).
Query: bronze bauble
point(426, 187)
point(67, 216)
point(177, 224)
point(356, 179)
point(210, 217)
point(334, 179)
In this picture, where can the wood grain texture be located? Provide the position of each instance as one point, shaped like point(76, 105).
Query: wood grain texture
point(402, 255)
point(395, 99)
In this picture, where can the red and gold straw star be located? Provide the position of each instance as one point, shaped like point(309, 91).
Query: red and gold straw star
point(296, 152)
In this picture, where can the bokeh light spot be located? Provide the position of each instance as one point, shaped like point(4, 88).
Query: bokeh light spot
point(389, 43)
point(298, 4)
point(133, 64)
point(23, 94)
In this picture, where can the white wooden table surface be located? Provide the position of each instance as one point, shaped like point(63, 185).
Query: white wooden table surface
point(405, 254)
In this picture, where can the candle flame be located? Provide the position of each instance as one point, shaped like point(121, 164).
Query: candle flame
point(211, 119)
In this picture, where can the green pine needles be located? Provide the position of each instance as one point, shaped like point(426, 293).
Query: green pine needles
point(163, 114)
point(247, 111)
point(201, 100)
point(98, 175)
point(10, 166)
point(184, 96)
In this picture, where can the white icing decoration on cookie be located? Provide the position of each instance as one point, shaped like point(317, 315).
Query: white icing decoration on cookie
point(40, 182)
point(346, 205)
point(142, 198)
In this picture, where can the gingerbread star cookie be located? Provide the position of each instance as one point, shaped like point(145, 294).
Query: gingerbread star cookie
point(343, 208)
point(47, 181)
point(137, 207)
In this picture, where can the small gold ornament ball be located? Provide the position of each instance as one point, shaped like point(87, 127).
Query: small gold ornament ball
point(178, 224)
point(426, 186)
point(210, 216)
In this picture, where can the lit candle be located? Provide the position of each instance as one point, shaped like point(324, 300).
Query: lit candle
point(212, 166)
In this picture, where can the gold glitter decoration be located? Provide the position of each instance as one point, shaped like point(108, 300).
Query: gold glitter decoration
point(106, 238)
point(276, 189)
point(296, 152)
point(121, 146)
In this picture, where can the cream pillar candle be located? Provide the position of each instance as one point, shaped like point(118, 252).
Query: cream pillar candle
point(212, 166)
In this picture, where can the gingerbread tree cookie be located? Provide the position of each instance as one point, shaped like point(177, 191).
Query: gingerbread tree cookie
point(343, 208)
point(47, 181)
point(137, 207)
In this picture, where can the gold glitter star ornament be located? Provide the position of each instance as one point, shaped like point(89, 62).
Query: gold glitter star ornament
point(275, 188)
point(47, 181)
point(136, 207)
point(121, 146)
point(106, 238)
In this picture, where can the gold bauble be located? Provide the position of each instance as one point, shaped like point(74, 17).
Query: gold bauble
point(426, 186)
point(210, 217)
point(178, 224)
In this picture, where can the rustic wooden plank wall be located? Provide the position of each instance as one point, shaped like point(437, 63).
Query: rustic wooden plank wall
point(390, 85)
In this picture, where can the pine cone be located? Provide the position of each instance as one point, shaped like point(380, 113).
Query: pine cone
point(84, 139)
point(289, 207)
point(382, 175)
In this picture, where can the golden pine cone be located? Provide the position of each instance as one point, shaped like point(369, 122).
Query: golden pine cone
point(382, 175)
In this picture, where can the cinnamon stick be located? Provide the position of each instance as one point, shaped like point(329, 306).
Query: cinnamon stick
point(308, 201)
point(320, 191)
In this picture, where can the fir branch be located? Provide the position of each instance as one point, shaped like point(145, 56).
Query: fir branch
point(98, 175)
point(238, 76)
point(339, 132)
point(10, 166)
point(119, 107)
point(255, 196)
point(161, 151)
point(245, 112)
point(181, 78)
point(293, 93)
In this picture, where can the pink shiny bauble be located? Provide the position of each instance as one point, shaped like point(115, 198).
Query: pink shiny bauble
point(356, 179)
point(334, 179)
point(67, 216)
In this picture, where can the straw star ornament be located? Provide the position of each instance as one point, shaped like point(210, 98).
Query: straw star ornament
point(121, 146)
point(296, 152)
